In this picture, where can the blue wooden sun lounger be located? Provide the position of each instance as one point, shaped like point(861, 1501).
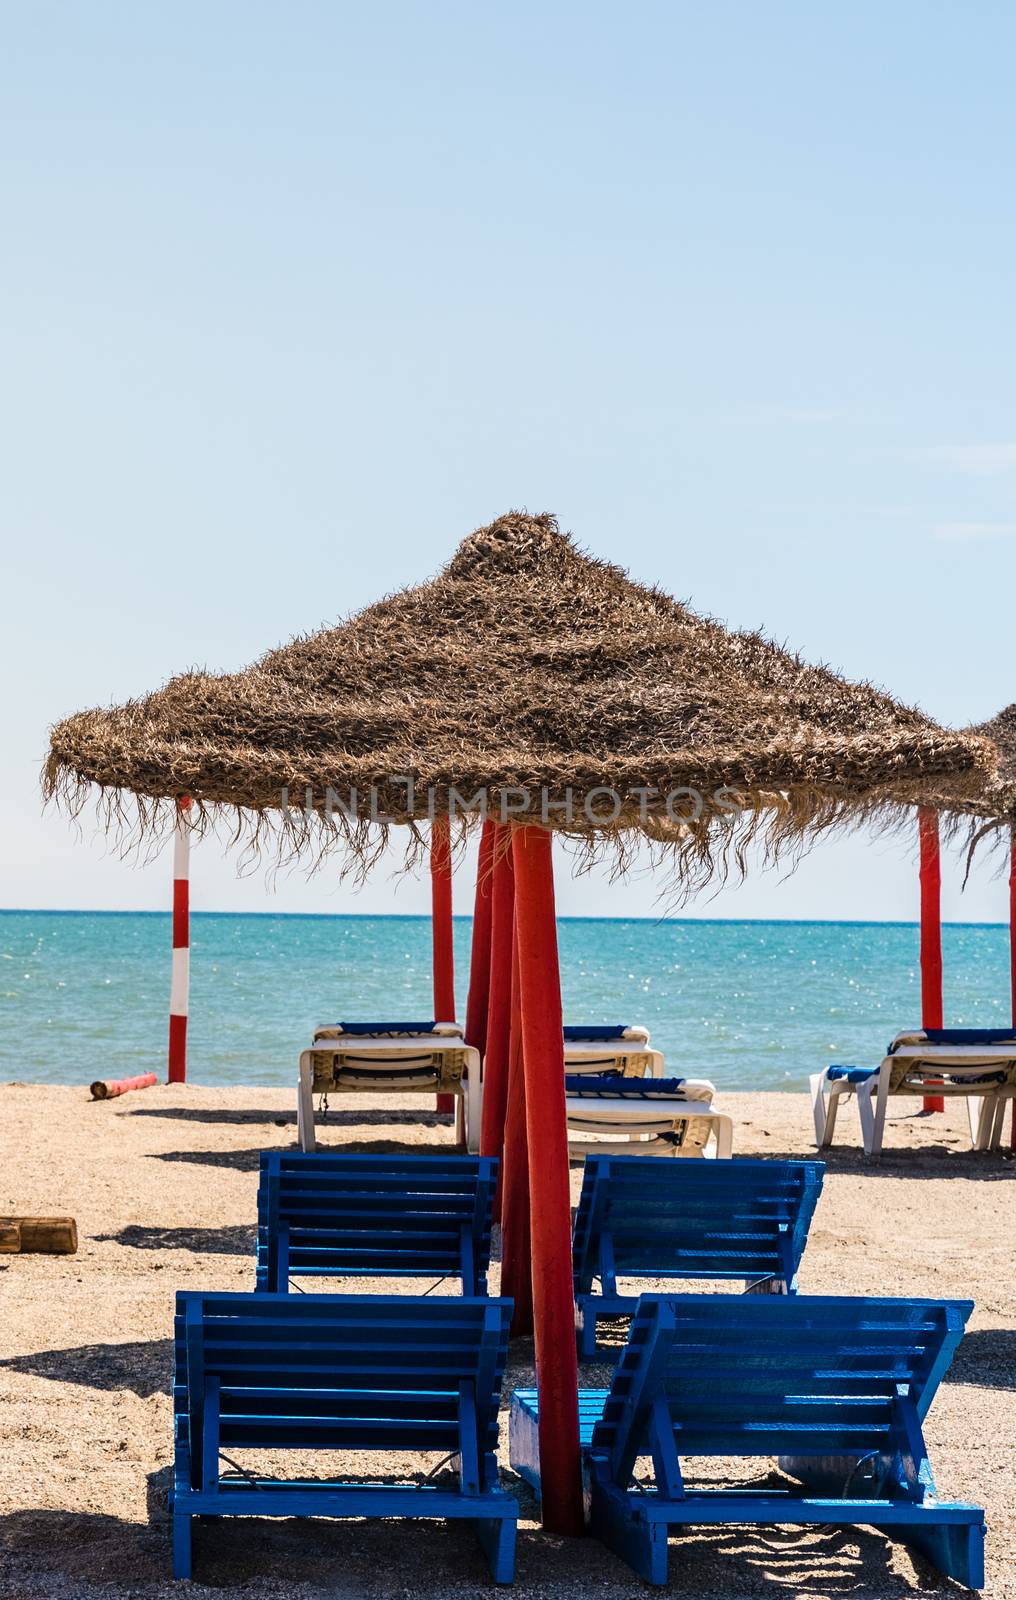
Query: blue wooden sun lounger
point(332, 1215)
point(835, 1388)
point(339, 1372)
point(745, 1220)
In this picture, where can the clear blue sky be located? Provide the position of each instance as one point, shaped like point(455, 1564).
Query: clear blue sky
point(293, 297)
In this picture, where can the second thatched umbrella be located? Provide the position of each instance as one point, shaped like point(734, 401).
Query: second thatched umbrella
point(529, 681)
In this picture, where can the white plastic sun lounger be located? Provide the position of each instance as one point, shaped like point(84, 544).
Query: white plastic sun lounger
point(651, 1117)
point(624, 1051)
point(391, 1058)
point(978, 1064)
point(618, 1099)
point(595, 1048)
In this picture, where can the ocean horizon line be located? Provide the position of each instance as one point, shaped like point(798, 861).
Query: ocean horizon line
point(465, 916)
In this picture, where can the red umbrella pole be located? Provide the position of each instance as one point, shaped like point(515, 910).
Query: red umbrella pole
point(549, 1182)
point(479, 950)
point(441, 932)
point(931, 932)
point(516, 1249)
point(499, 1001)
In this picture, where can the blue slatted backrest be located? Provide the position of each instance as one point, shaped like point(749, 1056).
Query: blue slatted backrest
point(385, 1215)
point(339, 1372)
point(692, 1219)
point(770, 1375)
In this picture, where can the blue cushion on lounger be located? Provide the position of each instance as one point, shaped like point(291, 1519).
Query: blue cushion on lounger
point(968, 1036)
point(369, 1028)
point(598, 1032)
point(862, 1074)
point(612, 1085)
point(851, 1074)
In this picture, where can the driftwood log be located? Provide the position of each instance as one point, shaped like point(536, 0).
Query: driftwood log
point(49, 1236)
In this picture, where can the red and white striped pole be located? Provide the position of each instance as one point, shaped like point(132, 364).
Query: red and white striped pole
point(179, 994)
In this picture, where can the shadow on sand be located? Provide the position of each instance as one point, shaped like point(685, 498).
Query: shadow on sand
point(226, 1241)
point(986, 1357)
point(796, 1561)
point(56, 1552)
point(243, 1119)
point(250, 1160)
point(929, 1161)
point(145, 1368)
point(339, 1117)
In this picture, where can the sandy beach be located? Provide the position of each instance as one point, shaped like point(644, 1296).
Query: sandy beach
point(163, 1185)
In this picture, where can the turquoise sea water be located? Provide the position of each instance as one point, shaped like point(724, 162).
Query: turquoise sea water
point(85, 994)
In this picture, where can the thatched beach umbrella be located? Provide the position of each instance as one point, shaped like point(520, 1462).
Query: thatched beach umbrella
point(531, 673)
point(533, 683)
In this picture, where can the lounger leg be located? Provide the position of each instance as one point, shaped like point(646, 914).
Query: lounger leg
point(956, 1549)
point(981, 1118)
point(866, 1112)
point(305, 1105)
point(587, 1331)
point(824, 1105)
point(724, 1128)
point(881, 1104)
point(872, 1098)
point(496, 1537)
point(1002, 1102)
point(474, 1093)
point(642, 1544)
point(181, 1544)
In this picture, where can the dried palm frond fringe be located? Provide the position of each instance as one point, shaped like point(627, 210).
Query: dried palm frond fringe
point(525, 668)
point(985, 817)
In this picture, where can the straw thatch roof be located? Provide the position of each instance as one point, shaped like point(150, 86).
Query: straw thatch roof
point(988, 812)
point(995, 796)
point(524, 665)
